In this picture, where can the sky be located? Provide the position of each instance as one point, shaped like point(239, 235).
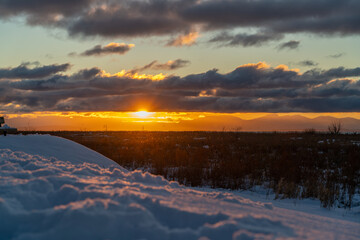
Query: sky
point(188, 58)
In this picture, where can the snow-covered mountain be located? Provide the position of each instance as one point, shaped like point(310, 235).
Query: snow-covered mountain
point(52, 188)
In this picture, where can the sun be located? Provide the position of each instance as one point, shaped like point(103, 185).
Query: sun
point(142, 114)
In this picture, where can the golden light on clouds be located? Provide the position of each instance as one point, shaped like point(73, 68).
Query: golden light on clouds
point(114, 44)
point(135, 75)
point(286, 68)
point(185, 40)
point(171, 115)
point(129, 121)
point(264, 65)
point(259, 65)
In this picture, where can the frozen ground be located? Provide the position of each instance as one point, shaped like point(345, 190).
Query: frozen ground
point(52, 188)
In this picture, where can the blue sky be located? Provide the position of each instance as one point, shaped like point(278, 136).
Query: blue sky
point(21, 43)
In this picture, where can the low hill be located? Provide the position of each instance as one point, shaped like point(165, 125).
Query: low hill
point(271, 122)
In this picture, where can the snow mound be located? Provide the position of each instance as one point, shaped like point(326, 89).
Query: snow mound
point(62, 190)
point(51, 146)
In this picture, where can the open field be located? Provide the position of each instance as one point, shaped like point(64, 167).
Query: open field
point(292, 165)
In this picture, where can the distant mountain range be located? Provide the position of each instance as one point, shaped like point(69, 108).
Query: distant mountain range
point(271, 122)
point(219, 122)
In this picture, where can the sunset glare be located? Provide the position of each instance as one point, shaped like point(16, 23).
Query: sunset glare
point(143, 61)
point(142, 114)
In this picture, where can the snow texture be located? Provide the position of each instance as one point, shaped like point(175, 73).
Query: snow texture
point(52, 188)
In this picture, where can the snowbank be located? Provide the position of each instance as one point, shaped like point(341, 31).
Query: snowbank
point(51, 146)
point(51, 188)
point(5, 127)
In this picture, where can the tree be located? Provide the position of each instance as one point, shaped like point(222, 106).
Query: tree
point(310, 131)
point(335, 127)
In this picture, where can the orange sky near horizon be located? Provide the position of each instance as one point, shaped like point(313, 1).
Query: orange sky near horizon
point(179, 65)
point(143, 120)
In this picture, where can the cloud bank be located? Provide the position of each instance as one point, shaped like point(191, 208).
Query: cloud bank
point(23, 71)
point(127, 18)
point(248, 88)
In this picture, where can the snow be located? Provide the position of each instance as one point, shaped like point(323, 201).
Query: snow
point(52, 188)
point(199, 138)
point(51, 146)
point(5, 127)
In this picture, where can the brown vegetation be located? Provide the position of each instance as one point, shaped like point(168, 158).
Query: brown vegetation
point(335, 127)
point(293, 165)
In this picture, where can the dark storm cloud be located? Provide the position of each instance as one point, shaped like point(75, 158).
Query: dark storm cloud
point(41, 85)
point(244, 77)
point(283, 16)
point(338, 88)
point(45, 12)
point(111, 48)
point(125, 26)
point(245, 40)
point(339, 72)
point(87, 74)
point(229, 12)
point(132, 18)
point(289, 45)
point(250, 87)
point(112, 18)
point(58, 82)
point(341, 25)
point(37, 7)
point(23, 71)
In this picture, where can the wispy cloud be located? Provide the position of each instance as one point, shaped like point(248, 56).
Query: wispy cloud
point(245, 40)
point(111, 48)
point(167, 17)
point(307, 63)
point(184, 40)
point(338, 55)
point(169, 65)
point(290, 45)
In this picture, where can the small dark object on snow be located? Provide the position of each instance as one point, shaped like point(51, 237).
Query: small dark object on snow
point(2, 120)
point(6, 129)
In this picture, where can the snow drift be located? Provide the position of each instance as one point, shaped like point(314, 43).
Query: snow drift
point(52, 188)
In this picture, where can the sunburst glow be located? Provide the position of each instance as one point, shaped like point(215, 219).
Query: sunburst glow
point(143, 114)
